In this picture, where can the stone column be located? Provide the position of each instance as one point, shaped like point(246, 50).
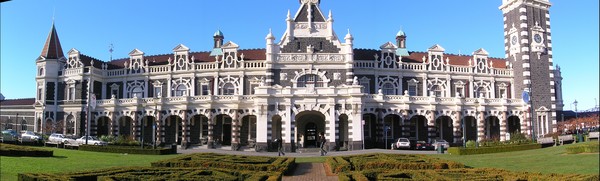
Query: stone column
point(480, 126)
point(503, 126)
point(157, 122)
point(457, 127)
point(185, 136)
point(211, 125)
point(235, 132)
point(112, 124)
point(431, 125)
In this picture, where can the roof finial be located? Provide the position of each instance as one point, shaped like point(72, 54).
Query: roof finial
point(330, 15)
point(111, 49)
point(289, 16)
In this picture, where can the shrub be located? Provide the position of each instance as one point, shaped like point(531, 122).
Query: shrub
point(128, 149)
point(591, 147)
point(496, 149)
point(470, 144)
point(213, 160)
point(16, 150)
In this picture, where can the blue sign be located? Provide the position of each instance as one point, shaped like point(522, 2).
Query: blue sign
point(525, 96)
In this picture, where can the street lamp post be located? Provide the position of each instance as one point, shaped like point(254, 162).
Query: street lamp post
point(464, 132)
point(576, 117)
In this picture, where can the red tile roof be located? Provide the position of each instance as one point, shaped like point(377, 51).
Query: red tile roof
point(52, 48)
point(12, 102)
point(163, 59)
point(417, 57)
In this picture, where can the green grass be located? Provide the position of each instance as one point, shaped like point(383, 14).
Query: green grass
point(545, 160)
point(71, 160)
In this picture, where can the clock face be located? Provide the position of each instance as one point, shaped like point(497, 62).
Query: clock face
point(514, 40)
point(537, 38)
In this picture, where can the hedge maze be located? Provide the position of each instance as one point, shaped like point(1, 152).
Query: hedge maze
point(421, 167)
point(202, 166)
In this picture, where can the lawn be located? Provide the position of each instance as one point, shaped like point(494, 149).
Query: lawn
point(71, 160)
point(545, 160)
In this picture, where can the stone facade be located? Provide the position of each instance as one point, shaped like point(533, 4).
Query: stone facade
point(311, 82)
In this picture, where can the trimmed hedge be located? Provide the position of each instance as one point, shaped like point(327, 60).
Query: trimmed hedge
point(592, 147)
point(459, 174)
point(388, 161)
point(16, 150)
point(128, 150)
point(496, 149)
point(153, 173)
point(213, 160)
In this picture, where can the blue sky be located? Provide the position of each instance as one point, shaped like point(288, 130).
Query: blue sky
point(156, 27)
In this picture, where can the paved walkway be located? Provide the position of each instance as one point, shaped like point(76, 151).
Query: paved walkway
point(303, 171)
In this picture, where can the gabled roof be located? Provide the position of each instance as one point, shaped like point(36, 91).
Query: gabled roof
point(388, 45)
point(436, 48)
point(417, 57)
point(52, 48)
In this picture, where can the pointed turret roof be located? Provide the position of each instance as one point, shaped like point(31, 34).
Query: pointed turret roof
point(52, 48)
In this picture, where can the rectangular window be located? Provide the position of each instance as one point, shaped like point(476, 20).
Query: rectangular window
point(412, 90)
point(502, 93)
point(205, 90)
point(115, 92)
point(460, 91)
point(252, 91)
point(71, 93)
point(39, 95)
point(157, 91)
point(366, 87)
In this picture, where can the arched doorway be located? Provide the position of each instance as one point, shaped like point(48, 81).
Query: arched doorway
point(310, 124)
point(147, 131)
point(222, 129)
point(102, 126)
point(492, 128)
point(470, 128)
point(199, 129)
point(70, 128)
point(369, 130)
point(276, 131)
point(343, 131)
point(418, 128)
point(172, 129)
point(49, 126)
point(248, 132)
point(125, 126)
point(392, 128)
point(514, 125)
point(443, 125)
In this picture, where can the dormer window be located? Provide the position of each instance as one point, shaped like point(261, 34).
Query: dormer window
point(412, 87)
point(388, 89)
point(181, 90)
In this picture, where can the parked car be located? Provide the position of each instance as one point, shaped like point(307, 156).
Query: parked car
point(423, 145)
point(401, 143)
point(30, 136)
point(57, 138)
point(92, 140)
point(9, 135)
point(440, 142)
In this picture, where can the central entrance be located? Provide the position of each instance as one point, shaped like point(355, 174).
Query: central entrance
point(309, 125)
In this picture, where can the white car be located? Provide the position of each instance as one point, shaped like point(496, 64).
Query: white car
point(92, 140)
point(401, 143)
point(30, 136)
point(57, 138)
point(440, 142)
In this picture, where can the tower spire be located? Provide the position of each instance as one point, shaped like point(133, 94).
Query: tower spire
point(52, 48)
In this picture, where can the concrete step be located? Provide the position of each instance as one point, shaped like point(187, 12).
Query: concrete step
point(308, 150)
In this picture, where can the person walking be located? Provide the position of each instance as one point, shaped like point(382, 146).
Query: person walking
point(280, 147)
point(322, 140)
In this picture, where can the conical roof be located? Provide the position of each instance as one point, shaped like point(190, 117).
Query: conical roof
point(52, 48)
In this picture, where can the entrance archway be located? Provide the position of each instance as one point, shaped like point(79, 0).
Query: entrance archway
point(393, 128)
point(418, 128)
point(222, 129)
point(514, 125)
point(444, 126)
point(470, 128)
point(70, 125)
point(369, 130)
point(147, 129)
point(199, 129)
point(492, 128)
point(172, 129)
point(310, 124)
point(102, 126)
point(248, 132)
point(125, 126)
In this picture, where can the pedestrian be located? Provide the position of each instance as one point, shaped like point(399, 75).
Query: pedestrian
point(322, 140)
point(280, 146)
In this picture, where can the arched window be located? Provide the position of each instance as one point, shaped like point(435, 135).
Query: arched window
point(137, 91)
point(23, 125)
point(388, 89)
point(437, 91)
point(481, 92)
point(228, 89)
point(310, 80)
point(41, 72)
point(181, 90)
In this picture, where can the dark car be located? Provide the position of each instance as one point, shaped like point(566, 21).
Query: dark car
point(423, 145)
point(9, 135)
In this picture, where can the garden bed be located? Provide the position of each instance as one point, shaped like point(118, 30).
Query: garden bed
point(128, 149)
point(16, 150)
point(493, 149)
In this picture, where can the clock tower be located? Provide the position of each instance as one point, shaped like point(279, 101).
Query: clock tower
point(528, 46)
